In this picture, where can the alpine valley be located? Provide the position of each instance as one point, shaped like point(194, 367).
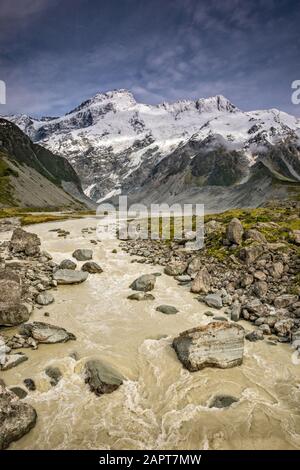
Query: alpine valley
point(205, 151)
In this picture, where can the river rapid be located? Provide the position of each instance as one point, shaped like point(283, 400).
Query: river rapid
point(160, 405)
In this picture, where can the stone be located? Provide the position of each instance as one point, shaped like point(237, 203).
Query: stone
point(255, 235)
point(30, 384)
point(236, 311)
point(220, 318)
point(13, 360)
point(102, 378)
point(222, 401)
point(19, 391)
point(67, 264)
point(183, 278)
point(213, 300)
point(217, 344)
point(144, 283)
point(260, 289)
point(296, 236)
point(14, 315)
point(176, 269)
point(16, 417)
point(44, 298)
point(68, 276)
point(247, 280)
point(24, 242)
point(260, 275)
point(285, 300)
point(167, 309)
point(256, 335)
point(141, 296)
point(283, 327)
point(234, 232)
point(92, 267)
point(208, 313)
point(201, 283)
point(10, 288)
point(55, 375)
point(276, 270)
point(46, 333)
point(83, 254)
point(249, 254)
point(194, 266)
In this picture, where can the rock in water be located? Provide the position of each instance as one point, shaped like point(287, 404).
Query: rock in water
point(101, 377)
point(16, 418)
point(167, 309)
point(144, 283)
point(218, 344)
point(201, 283)
point(67, 264)
point(140, 296)
point(44, 298)
point(223, 401)
point(234, 232)
point(83, 254)
point(24, 242)
point(92, 267)
point(68, 276)
point(12, 360)
point(46, 333)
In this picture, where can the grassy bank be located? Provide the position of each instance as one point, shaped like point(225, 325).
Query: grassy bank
point(38, 216)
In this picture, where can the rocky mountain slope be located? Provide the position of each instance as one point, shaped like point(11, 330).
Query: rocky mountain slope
point(32, 176)
point(205, 150)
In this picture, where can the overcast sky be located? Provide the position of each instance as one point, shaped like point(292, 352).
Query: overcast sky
point(56, 53)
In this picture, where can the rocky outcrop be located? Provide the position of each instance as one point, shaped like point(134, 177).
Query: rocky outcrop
point(46, 333)
point(16, 418)
point(144, 283)
point(24, 242)
point(69, 276)
point(101, 378)
point(218, 344)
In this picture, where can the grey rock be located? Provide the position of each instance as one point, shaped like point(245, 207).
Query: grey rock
point(16, 418)
point(234, 232)
point(167, 309)
point(176, 268)
point(67, 264)
point(14, 315)
point(144, 283)
point(222, 401)
point(140, 296)
point(285, 300)
point(68, 276)
point(251, 253)
point(19, 391)
point(83, 254)
point(255, 235)
point(218, 344)
point(283, 327)
point(213, 300)
point(46, 333)
point(13, 360)
point(236, 311)
point(260, 289)
point(194, 266)
point(55, 375)
point(30, 384)
point(92, 267)
point(102, 378)
point(256, 335)
point(44, 298)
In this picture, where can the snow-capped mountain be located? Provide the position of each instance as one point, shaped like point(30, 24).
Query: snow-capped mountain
point(117, 144)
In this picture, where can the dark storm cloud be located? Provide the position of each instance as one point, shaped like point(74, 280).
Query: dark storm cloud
point(56, 53)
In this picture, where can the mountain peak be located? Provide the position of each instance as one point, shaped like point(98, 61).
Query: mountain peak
point(213, 103)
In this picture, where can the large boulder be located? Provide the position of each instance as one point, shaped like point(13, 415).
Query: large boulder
point(67, 264)
point(234, 232)
point(213, 300)
point(101, 378)
point(201, 283)
point(46, 333)
point(83, 254)
point(12, 312)
point(285, 300)
point(16, 417)
point(249, 254)
point(194, 266)
point(24, 242)
point(217, 344)
point(14, 315)
point(12, 360)
point(255, 235)
point(144, 283)
point(69, 276)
